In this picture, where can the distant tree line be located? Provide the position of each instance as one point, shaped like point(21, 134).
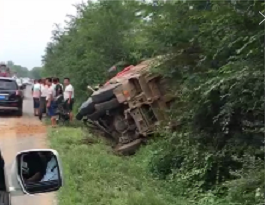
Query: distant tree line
point(21, 71)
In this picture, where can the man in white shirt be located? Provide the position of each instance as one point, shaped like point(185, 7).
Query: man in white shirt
point(51, 105)
point(43, 96)
point(52, 171)
point(69, 95)
point(36, 96)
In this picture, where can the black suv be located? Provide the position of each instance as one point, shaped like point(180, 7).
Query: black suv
point(11, 96)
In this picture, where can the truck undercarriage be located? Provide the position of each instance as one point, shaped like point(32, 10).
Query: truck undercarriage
point(128, 107)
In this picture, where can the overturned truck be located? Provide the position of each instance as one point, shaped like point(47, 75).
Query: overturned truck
point(129, 106)
point(4, 70)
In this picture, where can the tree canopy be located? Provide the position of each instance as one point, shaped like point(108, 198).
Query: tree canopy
point(216, 68)
point(36, 72)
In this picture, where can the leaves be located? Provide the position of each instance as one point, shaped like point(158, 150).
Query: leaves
point(215, 66)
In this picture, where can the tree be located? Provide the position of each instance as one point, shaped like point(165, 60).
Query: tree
point(36, 72)
point(215, 67)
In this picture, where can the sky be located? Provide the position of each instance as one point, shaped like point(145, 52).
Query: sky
point(26, 26)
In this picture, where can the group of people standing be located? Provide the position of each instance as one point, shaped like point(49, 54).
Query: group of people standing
point(45, 91)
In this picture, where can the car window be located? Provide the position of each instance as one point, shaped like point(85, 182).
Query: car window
point(8, 85)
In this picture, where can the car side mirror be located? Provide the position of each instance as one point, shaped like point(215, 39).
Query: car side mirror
point(36, 171)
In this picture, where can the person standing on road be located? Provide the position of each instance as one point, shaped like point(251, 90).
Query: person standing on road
point(36, 96)
point(69, 95)
point(43, 96)
point(50, 101)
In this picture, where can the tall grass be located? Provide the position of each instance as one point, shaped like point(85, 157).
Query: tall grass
point(93, 175)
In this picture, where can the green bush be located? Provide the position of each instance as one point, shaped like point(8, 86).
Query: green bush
point(215, 66)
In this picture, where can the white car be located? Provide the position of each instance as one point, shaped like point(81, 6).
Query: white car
point(26, 81)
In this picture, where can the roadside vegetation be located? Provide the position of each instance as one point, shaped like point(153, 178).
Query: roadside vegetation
point(216, 68)
point(93, 175)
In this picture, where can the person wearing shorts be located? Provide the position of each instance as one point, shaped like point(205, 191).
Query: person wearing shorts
point(51, 105)
point(43, 96)
point(69, 95)
point(36, 96)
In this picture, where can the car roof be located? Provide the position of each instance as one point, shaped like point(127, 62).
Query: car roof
point(5, 78)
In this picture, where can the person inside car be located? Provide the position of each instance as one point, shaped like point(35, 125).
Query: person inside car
point(34, 167)
point(52, 171)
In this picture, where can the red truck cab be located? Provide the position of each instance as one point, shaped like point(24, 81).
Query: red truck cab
point(4, 71)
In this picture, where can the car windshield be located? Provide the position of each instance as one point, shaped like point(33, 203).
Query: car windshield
point(8, 85)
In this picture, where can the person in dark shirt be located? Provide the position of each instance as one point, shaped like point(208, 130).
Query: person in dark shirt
point(58, 88)
point(36, 167)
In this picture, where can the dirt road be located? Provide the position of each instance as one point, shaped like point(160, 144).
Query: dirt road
point(19, 133)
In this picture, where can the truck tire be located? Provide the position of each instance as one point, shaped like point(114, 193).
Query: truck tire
point(103, 94)
point(79, 116)
point(89, 109)
point(111, 104)
point(96, 115)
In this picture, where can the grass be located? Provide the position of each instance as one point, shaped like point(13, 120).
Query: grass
point(93, 175)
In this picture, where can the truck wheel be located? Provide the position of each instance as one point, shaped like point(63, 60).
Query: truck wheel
point(79, 116)
point(103, 95)
point(111, 104)
point(87, 110)
point(96, 115)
